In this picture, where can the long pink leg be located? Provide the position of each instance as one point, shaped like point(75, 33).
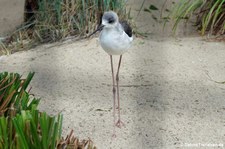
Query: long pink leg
point(119, 123)
point(114, 99)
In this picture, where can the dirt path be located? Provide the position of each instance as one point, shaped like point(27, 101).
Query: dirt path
point(168, 99)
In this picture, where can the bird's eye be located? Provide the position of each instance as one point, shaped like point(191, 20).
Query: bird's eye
point(111, 20)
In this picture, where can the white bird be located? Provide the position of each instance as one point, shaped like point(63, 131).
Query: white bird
point(115, 39)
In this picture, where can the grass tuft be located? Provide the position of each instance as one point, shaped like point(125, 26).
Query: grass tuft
point(23, 126)
point(53, 20)
point(210, 15)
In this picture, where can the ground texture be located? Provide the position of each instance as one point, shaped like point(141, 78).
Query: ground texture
point(169, 97)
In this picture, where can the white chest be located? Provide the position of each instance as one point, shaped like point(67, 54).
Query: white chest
point(115, 42)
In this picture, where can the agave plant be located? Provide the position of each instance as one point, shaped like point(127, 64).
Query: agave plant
point(14, 95)
point(210, 14)
point(22, 126)
point(30, 129)
point(34, 129)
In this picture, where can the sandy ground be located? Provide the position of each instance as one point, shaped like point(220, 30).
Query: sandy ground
point(168, 98)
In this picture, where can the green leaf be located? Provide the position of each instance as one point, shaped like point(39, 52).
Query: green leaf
point(3, 132)
point(208, 18)
point(21, 137)
point(153, 7)
point(217, 12)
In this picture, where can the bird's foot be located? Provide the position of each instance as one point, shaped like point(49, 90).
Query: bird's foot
point(119, 123)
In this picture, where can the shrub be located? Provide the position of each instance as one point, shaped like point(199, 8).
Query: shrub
point(22, 126)
point(14, 96)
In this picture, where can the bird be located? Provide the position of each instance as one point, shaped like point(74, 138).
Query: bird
point(115, 39)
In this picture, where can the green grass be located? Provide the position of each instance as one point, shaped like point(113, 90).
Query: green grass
point(57, 19)
point(210, 15)
point(23, 126)
point(13, 94)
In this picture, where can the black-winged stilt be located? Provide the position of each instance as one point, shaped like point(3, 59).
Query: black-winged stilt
point(115, 39)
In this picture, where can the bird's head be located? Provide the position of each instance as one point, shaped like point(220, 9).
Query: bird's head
point(110, 19)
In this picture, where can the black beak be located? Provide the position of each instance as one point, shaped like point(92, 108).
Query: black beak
point(100, 27)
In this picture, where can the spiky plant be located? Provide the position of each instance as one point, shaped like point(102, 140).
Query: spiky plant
point(14, 95)
point(22, 126)
point(30, 129)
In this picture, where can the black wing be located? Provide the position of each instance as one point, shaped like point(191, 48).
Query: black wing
point(127, 28)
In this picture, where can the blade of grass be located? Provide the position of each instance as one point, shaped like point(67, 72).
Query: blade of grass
point(217, 12)
point(208, 17)
point(21, 137)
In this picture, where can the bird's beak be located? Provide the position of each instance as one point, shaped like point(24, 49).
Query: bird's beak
point(100, 27)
